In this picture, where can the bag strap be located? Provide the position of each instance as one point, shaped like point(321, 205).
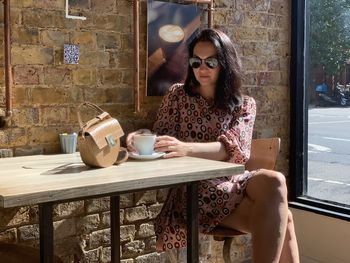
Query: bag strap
point(122, 156)
point(93, 106)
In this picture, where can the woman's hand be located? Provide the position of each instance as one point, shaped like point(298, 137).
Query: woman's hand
point(172, 146)
point(130, 139)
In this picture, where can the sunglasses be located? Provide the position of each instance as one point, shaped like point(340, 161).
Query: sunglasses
point(209, 62)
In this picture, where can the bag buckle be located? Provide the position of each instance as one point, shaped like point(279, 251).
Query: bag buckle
point(110, 140)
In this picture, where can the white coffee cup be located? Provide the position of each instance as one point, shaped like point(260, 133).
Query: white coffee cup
point(144, 143)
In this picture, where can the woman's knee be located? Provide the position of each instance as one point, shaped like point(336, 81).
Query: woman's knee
point(271, 182)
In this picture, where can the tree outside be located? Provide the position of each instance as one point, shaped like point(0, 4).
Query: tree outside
point(329, 41)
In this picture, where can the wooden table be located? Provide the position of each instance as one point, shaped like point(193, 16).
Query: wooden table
point(49, 179)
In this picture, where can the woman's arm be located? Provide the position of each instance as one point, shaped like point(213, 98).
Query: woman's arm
point(233, 145)
point(237, 139)
point(175, 148)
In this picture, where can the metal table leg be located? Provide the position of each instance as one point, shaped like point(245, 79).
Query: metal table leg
point(192, 223)
point(46, 233)
point(115, 229)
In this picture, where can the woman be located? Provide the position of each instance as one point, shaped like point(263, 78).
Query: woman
point(208, 117)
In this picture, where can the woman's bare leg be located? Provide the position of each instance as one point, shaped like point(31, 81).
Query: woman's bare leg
point(290, 251)
point(264, 213)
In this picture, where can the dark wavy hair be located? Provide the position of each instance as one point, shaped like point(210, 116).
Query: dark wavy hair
point(228, 87)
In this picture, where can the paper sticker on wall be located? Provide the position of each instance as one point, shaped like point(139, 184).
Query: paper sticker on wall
point(70, 16)
point(71, 54)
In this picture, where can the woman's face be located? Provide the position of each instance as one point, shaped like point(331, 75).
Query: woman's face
point(206, 58)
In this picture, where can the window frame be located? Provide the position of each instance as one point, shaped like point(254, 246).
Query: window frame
point(299, 120)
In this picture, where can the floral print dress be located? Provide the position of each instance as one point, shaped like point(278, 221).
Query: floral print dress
point(192, 119)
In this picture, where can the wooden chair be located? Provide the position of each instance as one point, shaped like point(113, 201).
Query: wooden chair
point(263, 154)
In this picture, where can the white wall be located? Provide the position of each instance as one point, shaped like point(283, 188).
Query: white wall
point(322, 239)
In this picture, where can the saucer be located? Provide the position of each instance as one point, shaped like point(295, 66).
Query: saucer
point(152, 156)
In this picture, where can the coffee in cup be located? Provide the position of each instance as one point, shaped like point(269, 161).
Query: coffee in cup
point(144, 143)
point(170, 36)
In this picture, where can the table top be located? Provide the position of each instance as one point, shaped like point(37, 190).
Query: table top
point(54, 178)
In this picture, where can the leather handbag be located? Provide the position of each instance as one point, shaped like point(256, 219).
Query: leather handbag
point(99, 139)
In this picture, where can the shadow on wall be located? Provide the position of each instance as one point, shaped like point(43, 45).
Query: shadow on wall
point(2, 122)
point(7, 220)
point(20, 226)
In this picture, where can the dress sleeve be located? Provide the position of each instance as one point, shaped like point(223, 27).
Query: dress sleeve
point(238, 138)
point(167, 117)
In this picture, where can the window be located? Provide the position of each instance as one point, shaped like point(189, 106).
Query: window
point(320, 107)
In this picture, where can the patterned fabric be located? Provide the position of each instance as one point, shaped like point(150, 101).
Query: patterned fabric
point(192, 119)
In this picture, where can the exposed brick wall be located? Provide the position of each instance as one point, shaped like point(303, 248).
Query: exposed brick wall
point(46, 92)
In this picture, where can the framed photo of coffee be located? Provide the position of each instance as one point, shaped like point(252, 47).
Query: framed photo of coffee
point(171, 27)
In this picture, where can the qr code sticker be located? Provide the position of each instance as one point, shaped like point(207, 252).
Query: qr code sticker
point(71, 54)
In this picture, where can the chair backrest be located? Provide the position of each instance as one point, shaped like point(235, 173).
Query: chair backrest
point(263, 154)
